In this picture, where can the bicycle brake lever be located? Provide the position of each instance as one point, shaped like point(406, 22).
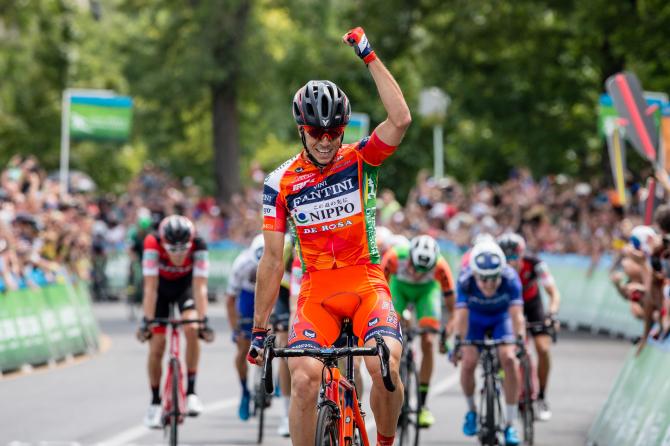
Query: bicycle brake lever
point(384, 354)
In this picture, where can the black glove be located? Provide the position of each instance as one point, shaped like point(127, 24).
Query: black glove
point(205, 332)
point(520, 345)
point(143, 333)
point(258, 336)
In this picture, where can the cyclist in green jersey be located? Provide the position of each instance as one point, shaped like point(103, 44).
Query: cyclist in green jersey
point(419, 276)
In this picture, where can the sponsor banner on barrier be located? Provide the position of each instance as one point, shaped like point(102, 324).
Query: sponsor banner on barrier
point(42, 324)
point(636, 411)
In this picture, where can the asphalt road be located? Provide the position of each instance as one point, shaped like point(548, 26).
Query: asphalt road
point(101, 400)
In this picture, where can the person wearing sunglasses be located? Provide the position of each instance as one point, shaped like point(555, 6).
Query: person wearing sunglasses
point(328, 194)
point(175, 268)
point(488, 302)
point(420, 278)
point(534, 273)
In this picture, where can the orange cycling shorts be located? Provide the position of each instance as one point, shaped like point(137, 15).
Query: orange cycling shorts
point(357, 292)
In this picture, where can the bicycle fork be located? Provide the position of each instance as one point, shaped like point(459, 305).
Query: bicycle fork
point(337, 389)
point(174, 408)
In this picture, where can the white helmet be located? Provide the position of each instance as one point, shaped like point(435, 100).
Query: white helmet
point(423, 253)
point(487, 259)
point(640, 237)
point(383, 235)
point(398, 240)
point(257, 246)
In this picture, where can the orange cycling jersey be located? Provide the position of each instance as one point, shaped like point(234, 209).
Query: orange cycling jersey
point(331, 211)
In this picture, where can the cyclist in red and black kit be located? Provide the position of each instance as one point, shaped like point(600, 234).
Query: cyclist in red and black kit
point(533, 273)
point(175, 267)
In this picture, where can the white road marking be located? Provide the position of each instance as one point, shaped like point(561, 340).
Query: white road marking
point(129, 435)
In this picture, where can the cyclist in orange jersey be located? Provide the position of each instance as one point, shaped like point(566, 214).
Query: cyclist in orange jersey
point(327, 193)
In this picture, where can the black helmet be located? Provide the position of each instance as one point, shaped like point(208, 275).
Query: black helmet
point(321, 104)
point(176, 230)
point(512, 244)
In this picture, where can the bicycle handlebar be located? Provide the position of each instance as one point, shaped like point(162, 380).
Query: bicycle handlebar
point(175, 322)
point(326, 353)
point(551, 328)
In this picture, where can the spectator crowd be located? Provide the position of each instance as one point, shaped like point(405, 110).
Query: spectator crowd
point(44, 232)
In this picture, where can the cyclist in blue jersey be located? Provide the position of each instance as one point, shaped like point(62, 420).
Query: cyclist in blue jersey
point(240, 305)
point(489, 301)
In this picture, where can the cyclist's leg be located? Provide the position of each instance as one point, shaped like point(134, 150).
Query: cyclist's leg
point(376, 314)
point(469, 360)
point(534, 313)
point(542, 346)
point(509, 363)
point(157, 341)
point(313, 326)
point(187, 310)
point(428, 313)
point(305, 382)
point(245, 314)
point(155, 363)
point(470, 357)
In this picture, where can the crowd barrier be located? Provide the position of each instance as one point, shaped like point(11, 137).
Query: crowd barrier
point(636, 412)
point(46, 324)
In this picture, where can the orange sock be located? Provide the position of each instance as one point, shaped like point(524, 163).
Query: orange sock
point(384, 441)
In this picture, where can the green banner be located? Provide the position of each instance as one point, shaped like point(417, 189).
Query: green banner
point(220, 264)
point(34, 343)
point(44, 324)
point(105, 118)
point(636, 411)
point(10, 346)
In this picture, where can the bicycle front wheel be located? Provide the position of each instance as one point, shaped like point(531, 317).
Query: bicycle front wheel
point(409, 415)
point(174, 415)
point(260, 407)
point(488, 434)
point(327, 426)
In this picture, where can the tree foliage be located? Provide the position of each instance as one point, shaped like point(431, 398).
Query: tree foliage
point(524, 77)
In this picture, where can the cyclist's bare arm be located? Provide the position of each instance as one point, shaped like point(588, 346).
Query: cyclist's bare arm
point(268, 278)
point(554, 298)
point(150, 295)
point(200, 295)
point(392, 130)
point(446, 280)
point(461, 322)
point(518, 321)
point(450, 299)
point(232, 311)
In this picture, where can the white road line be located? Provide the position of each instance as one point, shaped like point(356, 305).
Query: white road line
point(132, 434)
point(128, 436)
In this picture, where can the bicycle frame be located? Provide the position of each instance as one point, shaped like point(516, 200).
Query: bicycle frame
point(341, 391)
point(170, 409)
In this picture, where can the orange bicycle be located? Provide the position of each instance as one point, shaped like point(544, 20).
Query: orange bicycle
point(340, 420)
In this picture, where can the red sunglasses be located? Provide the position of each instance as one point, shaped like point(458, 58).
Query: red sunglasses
point(319, 132)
